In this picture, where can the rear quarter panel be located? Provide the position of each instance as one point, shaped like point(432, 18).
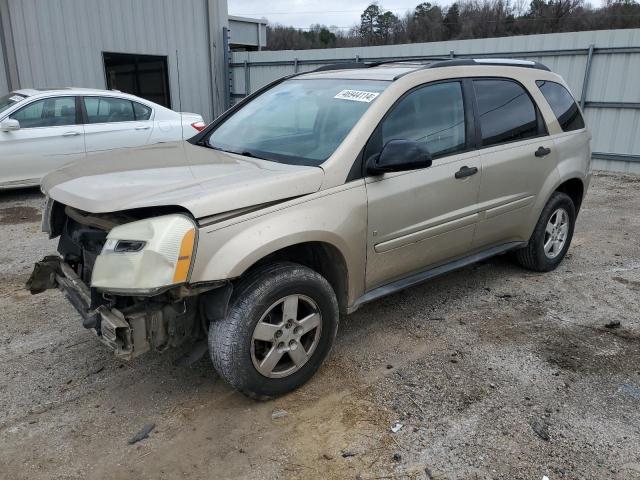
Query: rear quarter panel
point(574, 155)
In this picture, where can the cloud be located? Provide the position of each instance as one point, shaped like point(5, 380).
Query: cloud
point(302, 13)
point(339, 13)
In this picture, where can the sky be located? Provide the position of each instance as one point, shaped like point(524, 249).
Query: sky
point(339, 13)
point(302, 13)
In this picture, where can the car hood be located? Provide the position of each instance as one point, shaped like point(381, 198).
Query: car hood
point(202, 180)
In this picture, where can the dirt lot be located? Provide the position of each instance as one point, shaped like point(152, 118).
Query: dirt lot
point(493, 372)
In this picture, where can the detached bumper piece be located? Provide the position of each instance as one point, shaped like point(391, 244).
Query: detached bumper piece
point(51, 272)
point(130, 331)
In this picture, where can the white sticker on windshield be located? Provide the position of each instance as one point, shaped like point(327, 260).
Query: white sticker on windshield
point(357, 96)
point(16, 98)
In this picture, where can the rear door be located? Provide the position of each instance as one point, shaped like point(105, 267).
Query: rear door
point(113, 122)
point(50, 136)
point(517, 158)
point(424, 217)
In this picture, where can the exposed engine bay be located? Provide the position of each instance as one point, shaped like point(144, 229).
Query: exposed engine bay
point(129, 324)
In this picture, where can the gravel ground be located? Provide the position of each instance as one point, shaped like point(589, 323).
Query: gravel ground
point(492, 371)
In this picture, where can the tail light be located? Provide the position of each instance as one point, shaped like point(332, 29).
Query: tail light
point(199, 126)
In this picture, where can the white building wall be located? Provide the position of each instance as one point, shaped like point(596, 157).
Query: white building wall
point(60, 43)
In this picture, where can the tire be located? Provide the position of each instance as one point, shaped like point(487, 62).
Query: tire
point(258, 298)
point(533, 256)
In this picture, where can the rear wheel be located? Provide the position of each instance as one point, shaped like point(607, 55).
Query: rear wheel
point(551, 237)
point(280, 326)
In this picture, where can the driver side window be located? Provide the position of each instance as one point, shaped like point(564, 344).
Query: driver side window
point(433, 114)
point(49, 112)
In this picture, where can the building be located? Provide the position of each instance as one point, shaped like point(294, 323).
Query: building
point(247, 34)
point(169, 51)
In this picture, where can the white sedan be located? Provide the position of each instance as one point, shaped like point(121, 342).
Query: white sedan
point(42, 130)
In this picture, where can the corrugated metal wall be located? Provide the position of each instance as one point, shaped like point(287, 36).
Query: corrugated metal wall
point(60, 43)
point(612, 96)
point(4, 81)
point(4, 84)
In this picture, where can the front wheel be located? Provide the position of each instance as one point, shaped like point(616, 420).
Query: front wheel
point(280, 326)
point(551, 237)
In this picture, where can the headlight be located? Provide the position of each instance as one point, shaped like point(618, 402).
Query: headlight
point(147, 255)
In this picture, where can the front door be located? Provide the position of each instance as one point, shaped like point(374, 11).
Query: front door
point(423, 217)
point(49, 137)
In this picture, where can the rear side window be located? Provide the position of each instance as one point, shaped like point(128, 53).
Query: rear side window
point(108, 110)
point(142, 112)
point(506, 111)
point(563, 105)
point(433, 114)
point(49, 112)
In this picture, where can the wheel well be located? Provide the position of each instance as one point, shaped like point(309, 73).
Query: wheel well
point(575, 189)
point(321, 257)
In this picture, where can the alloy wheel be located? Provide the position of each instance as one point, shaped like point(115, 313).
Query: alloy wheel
point(556, 232)
point(286, 336)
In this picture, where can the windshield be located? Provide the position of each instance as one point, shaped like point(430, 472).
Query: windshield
point(297, 121)
point(9, 101)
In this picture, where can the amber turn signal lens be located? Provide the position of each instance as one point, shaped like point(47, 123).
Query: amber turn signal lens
point(184, 258)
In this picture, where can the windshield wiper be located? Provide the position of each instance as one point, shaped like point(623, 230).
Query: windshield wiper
point(244, 153)
point(247, 153)
point(204, 143)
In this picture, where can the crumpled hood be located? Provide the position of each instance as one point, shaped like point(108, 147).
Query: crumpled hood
point(202, 180)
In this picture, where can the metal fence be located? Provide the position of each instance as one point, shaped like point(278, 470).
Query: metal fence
point(601, 67)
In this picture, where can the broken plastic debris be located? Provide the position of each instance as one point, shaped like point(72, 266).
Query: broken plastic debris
point(142, 434)
point(396, 427)
point(278, 414)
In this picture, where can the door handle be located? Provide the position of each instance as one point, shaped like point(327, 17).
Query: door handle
point(71, 134)
point(542, 151)
point(143, 127)
point(466, 172)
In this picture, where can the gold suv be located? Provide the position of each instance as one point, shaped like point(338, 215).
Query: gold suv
point(320, 192)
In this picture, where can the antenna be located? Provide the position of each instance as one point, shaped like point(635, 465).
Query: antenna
point(179, 97)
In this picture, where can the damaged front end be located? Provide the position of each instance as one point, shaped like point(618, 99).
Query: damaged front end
point(138, 315)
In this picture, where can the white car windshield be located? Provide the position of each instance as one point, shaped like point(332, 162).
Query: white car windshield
point(299, 121)
point(10, 100)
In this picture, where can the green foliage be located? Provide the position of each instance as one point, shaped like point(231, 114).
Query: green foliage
point(463, 19)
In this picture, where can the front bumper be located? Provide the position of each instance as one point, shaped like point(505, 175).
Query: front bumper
point(128, 332)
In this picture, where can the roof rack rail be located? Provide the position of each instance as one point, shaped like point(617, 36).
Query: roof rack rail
point(342, 66)
point(437, 62)
point(350, 65)
point(415, 60)
point(505, 62)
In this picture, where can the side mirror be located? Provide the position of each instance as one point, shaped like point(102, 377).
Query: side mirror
point(9, 125)
point(398, 156)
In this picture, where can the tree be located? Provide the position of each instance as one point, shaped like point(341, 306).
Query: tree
point(452, 22)
point(386, 23)
point(422, 10)
point(326, 38)
point(425, 24)
point(463, 19)
point(368, 23)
